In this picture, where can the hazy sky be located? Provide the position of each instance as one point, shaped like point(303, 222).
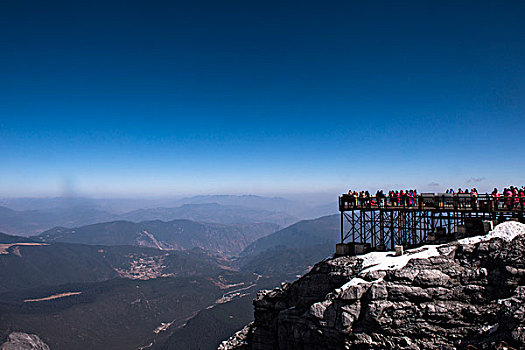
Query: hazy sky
point(172, 97)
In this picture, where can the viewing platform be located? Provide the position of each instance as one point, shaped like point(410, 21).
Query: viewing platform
point(381, 223)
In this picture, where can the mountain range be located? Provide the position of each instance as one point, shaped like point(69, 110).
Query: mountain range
point(222, 239)
point(32, 216)
point(211, 212)
point(162, 282)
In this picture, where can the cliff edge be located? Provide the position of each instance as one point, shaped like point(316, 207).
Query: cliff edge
point(468, 294)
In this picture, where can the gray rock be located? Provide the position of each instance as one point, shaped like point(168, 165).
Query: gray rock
point(354, 292)
point(23, 341)
point(470, 296)
point(431, 278)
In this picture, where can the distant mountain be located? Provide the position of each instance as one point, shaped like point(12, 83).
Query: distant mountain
point(248, 201)
point(4, 238)
point(292, 250)
point(320, 210)
point(285, 263)
point(302, 209)
point(30, 222)
point(30, 216)
point(305, 233)
point(177, 234)
point(211, 212)
point(30, 203)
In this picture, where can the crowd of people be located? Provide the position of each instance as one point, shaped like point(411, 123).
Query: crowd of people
point(511, 198)
point(406, 198)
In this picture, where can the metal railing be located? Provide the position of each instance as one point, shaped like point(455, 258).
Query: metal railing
point(445, 201)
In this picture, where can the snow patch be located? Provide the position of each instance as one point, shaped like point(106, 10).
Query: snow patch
point(355, 281)
point(506, 231)
point(376, 261)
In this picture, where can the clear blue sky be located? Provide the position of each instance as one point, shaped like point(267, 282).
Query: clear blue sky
point(170, 97)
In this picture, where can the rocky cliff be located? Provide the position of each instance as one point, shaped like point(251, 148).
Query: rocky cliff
point(468, 294)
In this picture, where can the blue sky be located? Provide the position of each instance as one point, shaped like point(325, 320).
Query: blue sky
point(131, 98)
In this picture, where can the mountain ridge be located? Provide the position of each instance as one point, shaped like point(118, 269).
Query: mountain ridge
point(30, 216)
point(175, 234)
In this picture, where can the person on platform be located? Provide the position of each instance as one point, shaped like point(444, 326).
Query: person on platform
point(378, 198)
point(402, 198)
point(474, 198)
point(508, 198)
point(516, 196)
point(461, 201)
point(353, 198)
point(495, 198)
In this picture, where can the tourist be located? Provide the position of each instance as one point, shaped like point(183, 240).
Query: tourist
point(521, 194)
point(411, 198)
point(508, 198)
point(495, 199)
point(474, 198)
point(367, 198)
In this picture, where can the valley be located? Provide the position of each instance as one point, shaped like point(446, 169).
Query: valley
point(81, 286)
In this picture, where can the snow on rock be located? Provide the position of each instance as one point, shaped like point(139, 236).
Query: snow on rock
point(464, 294)
point(506, 231)
point(382, 261)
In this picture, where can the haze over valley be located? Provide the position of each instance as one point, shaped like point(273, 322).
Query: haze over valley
point(164, 279)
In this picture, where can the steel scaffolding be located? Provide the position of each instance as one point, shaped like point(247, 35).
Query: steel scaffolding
point(386, 226)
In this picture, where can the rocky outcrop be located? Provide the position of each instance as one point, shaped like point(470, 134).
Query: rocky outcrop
point(23, 341)
point(239, 340)
point(469, 294)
